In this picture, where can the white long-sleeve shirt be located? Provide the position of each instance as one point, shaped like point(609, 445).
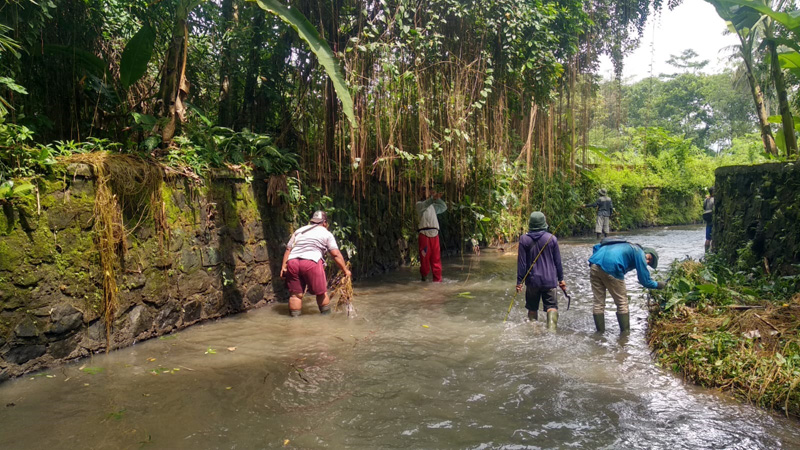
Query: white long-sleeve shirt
point(426, 212)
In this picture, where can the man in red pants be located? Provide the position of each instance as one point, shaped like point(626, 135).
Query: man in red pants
point(430, 257)
point(303, 264)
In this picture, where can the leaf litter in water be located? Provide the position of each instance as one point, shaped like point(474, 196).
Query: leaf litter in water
point(117, 415)
point(211, 351)
point(92, 370)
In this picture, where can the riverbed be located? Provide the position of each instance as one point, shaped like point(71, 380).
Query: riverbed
point(422, 365)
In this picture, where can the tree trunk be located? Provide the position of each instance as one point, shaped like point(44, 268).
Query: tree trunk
point(783, 101)
point(251, 78)
point(174, 86)
point(761, 112)
point(227, 78)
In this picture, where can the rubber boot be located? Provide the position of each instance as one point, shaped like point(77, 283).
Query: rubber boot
point(533, 316)
point(598, 235)
point(624, 322)
point(600, 322)
point(325, 310)
point(552, 320)
point(294, 313)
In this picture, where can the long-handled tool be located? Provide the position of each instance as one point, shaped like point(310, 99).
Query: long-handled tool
point(569, 299)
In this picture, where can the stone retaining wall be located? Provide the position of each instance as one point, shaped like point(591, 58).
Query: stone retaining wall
point(224, 244)
point(757, 210)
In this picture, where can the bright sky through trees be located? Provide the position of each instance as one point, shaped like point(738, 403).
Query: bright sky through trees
point(694, 24)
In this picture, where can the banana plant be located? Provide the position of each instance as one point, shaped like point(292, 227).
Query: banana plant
point(747, 16)
point(10, 192)
point(318, 46)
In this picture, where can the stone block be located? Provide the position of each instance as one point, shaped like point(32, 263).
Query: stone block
point(59, 218)
point(254, 294)
point(213, 305)
point(190, 260)
point(27, 276)
point(134, 281)
point(260, 252)
point(80, 170)
point(209, 257)
point(140, 319)
point(96, 331)
point(168, 317)
point(63, 348)
point(65, 318)
point(195, 283)
point(246, 255)
point(27, 328)
point(192, 312)
point(24, 353)
point(176, 241)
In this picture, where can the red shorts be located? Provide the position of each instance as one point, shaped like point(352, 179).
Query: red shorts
point(302, 273)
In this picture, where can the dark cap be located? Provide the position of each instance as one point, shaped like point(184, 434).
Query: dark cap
point(319, 217)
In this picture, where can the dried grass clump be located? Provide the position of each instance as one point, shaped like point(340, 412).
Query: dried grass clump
point(276, 185)
point(123, 183)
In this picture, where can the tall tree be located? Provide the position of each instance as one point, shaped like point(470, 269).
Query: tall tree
point(748, 39)
point(228, 56)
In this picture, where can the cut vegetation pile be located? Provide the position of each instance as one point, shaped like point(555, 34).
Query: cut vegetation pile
point(719, 329)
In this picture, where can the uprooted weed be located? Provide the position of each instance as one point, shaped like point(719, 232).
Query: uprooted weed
point(342, 287)
point(725, 337)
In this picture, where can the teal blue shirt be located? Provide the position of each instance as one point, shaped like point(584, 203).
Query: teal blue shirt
point(619, 259)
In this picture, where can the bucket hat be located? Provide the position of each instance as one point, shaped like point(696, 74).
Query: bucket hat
point(537, 222)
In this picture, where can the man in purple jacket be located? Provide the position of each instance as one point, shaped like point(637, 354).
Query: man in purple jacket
point(539, 267)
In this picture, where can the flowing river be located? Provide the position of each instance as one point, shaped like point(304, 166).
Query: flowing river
point(421, 366)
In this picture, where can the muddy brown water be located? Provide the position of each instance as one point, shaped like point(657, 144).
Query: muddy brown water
point(422, 366)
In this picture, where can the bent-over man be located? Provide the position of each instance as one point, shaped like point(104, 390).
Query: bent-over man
point(303, 264)
point(610, 261)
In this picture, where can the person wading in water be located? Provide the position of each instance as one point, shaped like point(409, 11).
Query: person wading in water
point(303, 263)
point(430, 256)
point(610, 261)
point(539, 268)
point(604, 209)
point(708, 217)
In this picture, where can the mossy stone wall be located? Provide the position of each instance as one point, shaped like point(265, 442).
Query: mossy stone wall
point(218, 258)
point(226, 240)
point(757, 211)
